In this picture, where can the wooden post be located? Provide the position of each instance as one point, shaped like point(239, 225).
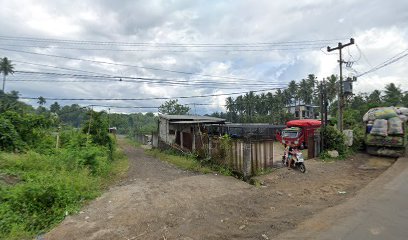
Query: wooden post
point(247, 159)
point(58, 137)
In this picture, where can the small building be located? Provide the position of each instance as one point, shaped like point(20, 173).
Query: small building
point(304, 111)
point(255, 131)
point(183, 130)
point(113, 130)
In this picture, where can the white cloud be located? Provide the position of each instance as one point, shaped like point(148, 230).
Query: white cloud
point(379, 27)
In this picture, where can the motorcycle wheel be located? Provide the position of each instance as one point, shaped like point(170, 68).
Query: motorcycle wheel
point(302, 168)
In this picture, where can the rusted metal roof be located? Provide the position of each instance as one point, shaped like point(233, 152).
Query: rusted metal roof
point(191, 119)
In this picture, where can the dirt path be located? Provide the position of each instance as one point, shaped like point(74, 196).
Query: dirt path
point(159, 201)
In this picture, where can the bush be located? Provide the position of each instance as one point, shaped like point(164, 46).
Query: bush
point(358, 138)
point(334, 140)
point(50, 187)
point(9, 138)
point(47, 191)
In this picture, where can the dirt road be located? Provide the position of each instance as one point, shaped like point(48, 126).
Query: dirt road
point(159, 201)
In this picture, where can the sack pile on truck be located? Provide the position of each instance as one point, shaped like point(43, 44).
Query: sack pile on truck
point(380, 128)
point(385, 125)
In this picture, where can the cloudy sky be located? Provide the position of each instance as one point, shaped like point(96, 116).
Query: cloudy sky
point(152, 49)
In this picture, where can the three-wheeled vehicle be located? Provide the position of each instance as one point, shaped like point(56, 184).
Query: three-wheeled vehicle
point(297, 132)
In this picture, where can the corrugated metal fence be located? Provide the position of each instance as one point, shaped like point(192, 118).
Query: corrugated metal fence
point(245, 157)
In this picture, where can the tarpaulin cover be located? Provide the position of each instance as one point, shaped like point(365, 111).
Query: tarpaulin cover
point(304, 123)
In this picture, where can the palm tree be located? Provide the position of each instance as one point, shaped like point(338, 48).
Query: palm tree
point(239, 103)
point(305, 92)
point(249, 101)
point(6, 68)
point(374, 98)
point(293, 90)
point(331, 88)
point(231, 108)
point(392, 94)
point(41, 100)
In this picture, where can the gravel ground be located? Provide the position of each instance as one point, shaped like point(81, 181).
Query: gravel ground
point(158, 201)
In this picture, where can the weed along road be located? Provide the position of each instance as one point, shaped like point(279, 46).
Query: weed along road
point(157, 200)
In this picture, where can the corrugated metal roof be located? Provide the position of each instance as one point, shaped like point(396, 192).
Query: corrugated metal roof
point(196, 121)
point(254, 125)
point(191, 118)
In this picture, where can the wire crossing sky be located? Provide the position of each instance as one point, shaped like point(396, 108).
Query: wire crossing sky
point(158, 50)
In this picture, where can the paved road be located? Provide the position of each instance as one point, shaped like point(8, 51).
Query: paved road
point(379, 211)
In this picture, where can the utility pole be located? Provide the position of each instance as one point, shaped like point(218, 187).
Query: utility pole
point(341, 95)
point(325, 102)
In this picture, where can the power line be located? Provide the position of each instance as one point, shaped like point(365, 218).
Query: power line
point(207, 86)
point(112, 106)
point(151, 98)
point(391, 60)
point(88, 42)
point(226, 49)
point(121, 64)
point(56, 67)
point(104, 78)
point(128, 77)
point(124, 77)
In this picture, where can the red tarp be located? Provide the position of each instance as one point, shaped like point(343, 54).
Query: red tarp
point(304, 123)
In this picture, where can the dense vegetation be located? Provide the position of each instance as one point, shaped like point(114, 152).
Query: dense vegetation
point(41, 181)
point(270, 107)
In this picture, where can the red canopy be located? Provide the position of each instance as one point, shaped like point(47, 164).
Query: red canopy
point(304, 123)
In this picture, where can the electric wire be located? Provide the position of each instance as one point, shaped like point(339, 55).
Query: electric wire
point(89, 42)
point(101, 78)
point(151, 98)
point(391, 60)
point(122, 64)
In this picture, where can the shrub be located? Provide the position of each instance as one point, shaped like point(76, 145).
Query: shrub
point(334, 140)
point(358, 137)
point(9, 138)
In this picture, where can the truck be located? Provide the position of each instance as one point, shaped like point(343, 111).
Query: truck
point(297, 132)
point(382, 140)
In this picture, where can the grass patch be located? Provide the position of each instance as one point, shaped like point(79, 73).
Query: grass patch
point(133, 142)
point(52, 186)
point(184, 162)
point(189, 162)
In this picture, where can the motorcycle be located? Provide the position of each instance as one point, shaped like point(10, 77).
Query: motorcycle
point(297, 161)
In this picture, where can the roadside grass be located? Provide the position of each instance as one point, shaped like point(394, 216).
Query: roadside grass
point(184, 162)
point(50, 187)
point(132, 142)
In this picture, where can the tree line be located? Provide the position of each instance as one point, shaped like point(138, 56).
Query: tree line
point(271, 107)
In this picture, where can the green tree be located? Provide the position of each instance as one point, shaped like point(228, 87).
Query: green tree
point(240, 106)
point(172, 107)
point(292, 91)
point(231, 108)
point(6, 68)
point(331, 88)
point(41, 100)
point(374, 99)
point(405, 99)
point(9, 101)
point(249, 100)
point(305, 91)
point(392, 95)
point(55, 107)
point(97, 127)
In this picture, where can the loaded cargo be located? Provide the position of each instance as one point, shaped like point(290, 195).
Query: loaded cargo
point(386, 131)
